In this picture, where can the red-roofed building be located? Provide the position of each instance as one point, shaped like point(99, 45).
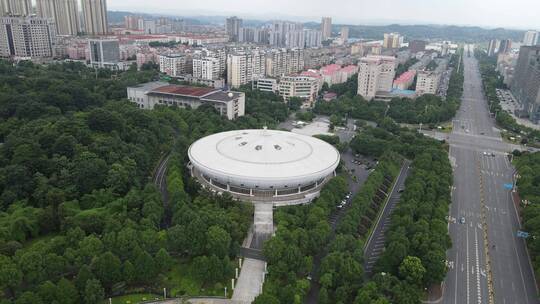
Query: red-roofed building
point(404, 81)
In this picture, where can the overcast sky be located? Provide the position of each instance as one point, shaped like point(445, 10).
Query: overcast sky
point(522, 14)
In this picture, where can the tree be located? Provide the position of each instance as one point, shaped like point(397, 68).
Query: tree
point(47, 292)
point(163, 260)
point(265, 298)
point(218, 241)
point(412, 270)
point(107, 268)
point(83, 276)
point(29, 297)
point(93, 292)
point(144, 266)
point(129, 272)
point(10, 275)
point(66, 293)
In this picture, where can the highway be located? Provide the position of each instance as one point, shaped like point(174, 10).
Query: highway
point(487, 262)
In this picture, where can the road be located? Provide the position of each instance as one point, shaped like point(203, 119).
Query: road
point(160, 181)
point(375, 244)
point(487, 262)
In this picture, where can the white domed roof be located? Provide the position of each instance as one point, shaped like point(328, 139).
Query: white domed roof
point(263, 157)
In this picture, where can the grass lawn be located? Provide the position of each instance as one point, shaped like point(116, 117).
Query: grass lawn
point(180, 281)
point(133, 298)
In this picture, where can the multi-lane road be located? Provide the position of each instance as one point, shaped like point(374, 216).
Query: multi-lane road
point(487, 262)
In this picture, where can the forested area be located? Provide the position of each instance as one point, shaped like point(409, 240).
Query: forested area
point(528, 185)
point(492, 80)
point(80, 219)
point(301, 233)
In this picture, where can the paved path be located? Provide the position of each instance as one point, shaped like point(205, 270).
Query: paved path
point(250, 281)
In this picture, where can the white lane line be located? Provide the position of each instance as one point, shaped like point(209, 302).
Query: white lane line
point(456, 282)
point(468, 279)
point(479, 292)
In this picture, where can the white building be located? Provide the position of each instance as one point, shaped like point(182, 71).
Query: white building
point(105, 53)
point(30, 37)
point(375, 74)
point(64, 12)
point(427, 82)
point(284, 62)
point(244, 67)
point(313, 38)
point(206, 68)
point(267, 85)
point(299, 86)
point(530, 38)
point(175, 64)
point(95, 17)
point(15, 7)
point(392, 40)
point(148, 95)
point(326, 27)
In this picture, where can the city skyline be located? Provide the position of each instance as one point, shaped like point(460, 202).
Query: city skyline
point(459, 12)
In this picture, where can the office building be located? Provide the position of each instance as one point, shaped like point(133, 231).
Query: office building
point(392, 40)
point(64, 12)
point(344, 34)
point(233, 26)
point(326, 28)
point(15, 7)
point(148, 95)
point(244, 67)
point(298, 86)
point(526, 83)
point(493, 47)
point(416, 46)
point(375, 74)
point(267, 85)
point(530, 38)
point(206, 68)
point(29, 36)
point(95, 17)
point(505, 46)
point(105, 53)
point(176, 64)
point(427, 82)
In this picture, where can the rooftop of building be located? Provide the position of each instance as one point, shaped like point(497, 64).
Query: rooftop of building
point(159, 87)
point(183, 90)
point(405, 77)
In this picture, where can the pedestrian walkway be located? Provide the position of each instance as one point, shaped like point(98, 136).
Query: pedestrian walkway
point(250, 281)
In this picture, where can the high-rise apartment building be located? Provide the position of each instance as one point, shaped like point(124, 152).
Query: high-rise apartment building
point(281, 62)
point(530, 38)
point(295, 39)
point(313, 38)
point(299, 86)
point(176, 65)
point(206, 68)
point(64, 12)
point(15, 7)
point(326, 27)
point(280, 33)
point(375, 74)
point(104, 53)
point(28, 36)
point(392, 40)
point(526, 83)
point(493, 47)
point(505, 46)
point(244, 67)
point(427, 82)
point(95, 17)
point(233, 26)
point(132, 22)
point(344, 34)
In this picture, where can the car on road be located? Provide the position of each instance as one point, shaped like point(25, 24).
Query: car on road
point(401, 190)
point(462, 220)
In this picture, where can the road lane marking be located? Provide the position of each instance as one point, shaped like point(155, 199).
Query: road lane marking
point(478, 289)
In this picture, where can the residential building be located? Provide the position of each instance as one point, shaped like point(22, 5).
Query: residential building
point(416, 46)
point(298, 86)
point(313, 38)
point(493, 47)
point(505, 46)
point(131, 22)
point(295, 39)
point(375, 73)
point(246, 34)
point(392, 41)
point(279, 33)
point(284, 62)
point(506, 63)
point(261, 35)
point(344, 34)
point(95, 17)
point(427, 82)
point(244, 67)
point(530, 38)
point(359, 49)
point(326, 27)
point(335, 74)
point(105, 53)
point(526, 84)
point(233, 26)
point(15, 8)
point(267, 85)
point(404, 81)
point(176, 64)
point(29, 36)
point(148, 95)
point(206, 68)
point(65, 14)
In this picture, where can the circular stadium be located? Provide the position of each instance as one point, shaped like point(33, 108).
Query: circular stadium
point(277, 167)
